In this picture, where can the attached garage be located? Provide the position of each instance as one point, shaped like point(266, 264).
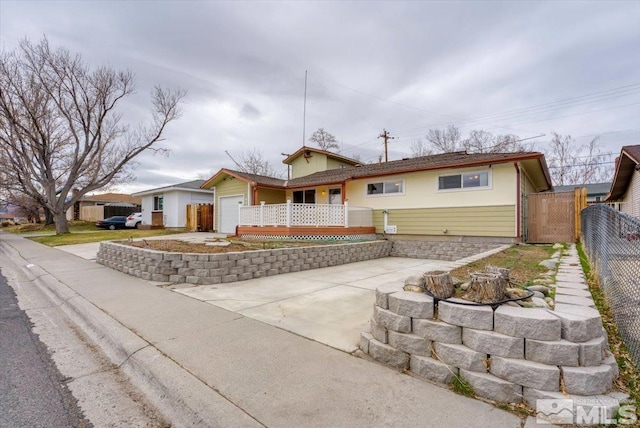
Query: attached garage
point(228, 211)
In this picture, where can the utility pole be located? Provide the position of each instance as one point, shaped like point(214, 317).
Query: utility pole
point(386, 137)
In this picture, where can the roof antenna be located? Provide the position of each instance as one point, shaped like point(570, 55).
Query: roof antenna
point(304, 110)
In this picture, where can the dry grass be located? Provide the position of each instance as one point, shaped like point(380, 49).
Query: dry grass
point(521, 260)
point(236, 245)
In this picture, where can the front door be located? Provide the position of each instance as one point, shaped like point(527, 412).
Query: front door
point(335, 196)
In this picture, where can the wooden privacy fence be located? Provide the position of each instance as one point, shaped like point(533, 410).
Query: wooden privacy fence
point(555, 217)
point(100, 212)
point(200, 217)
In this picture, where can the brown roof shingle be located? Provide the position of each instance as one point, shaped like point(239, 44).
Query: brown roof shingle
point(113, 197)
point(445, 160)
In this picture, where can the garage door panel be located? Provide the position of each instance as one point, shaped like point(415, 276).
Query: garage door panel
point(229, 208)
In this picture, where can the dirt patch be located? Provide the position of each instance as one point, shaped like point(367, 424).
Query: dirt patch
point(220, 246)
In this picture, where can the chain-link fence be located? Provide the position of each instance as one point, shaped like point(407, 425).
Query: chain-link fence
point(612, 242)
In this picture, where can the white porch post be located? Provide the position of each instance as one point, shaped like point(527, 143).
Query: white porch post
point(288, 219)
point(261, 213)
point(346, 213)
point(240, 205)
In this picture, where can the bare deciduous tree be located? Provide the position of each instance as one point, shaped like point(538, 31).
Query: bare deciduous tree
point(419, 148)
point(479, 141)
point(570, 163)
point(324, 140)
point(253, 162)
point(60, 127)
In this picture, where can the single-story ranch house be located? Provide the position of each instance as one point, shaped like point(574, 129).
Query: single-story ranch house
point(626, 181)
point(449, 195)
point(167, 206)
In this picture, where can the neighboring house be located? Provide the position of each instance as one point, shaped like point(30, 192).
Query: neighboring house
point(112, 199)
point(596, 192)
point(450, 195)
point(7, 217)
point(167, 206)
point(626, 181)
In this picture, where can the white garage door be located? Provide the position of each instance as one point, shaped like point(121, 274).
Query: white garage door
point(228, 211)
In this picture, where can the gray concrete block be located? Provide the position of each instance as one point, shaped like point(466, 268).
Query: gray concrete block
point(527, 373)
point(460, 356)
point(391, 321)
point(579, 323)
point(587, 380)
point(437, 331)
point(593, 351)
point(492, 343)
point(492, 387)
point(410, 343)
point(378, 331)
point(530, 323)
point(555, 353)
point(432, 369)
point(415, 305)
point(610, 360)
point(565, 291)
point(383, 292)
point(478, 317)
point(575, 300)
point(388, 355)
point(364, 342)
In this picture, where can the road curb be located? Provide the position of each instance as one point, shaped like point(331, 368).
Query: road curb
point(183, 399)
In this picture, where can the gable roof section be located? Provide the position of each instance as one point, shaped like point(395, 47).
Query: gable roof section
point(593, 189)
point(254, 179)
point(193, 185)
point(625, 167)
point(112, 198)
point(303, 149)
point(424, 163)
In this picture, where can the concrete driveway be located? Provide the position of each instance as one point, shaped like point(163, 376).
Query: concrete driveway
point(330, 305)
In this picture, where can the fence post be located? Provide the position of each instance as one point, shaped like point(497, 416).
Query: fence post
point(288, 219)
point(240, 205)
point(261, 213)
point(346, 213)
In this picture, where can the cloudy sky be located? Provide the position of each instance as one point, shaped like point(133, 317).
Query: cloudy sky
point(524, 68)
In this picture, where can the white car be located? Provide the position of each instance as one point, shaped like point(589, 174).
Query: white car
point(134, 220)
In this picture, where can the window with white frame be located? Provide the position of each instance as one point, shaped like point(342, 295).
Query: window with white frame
point(385, 187)
point(158, 203)
point(468, 180)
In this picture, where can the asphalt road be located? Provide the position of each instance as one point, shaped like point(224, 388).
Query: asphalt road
point(32, 390)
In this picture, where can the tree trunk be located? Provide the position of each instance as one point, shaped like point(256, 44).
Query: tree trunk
point(504, 272)
point(486, 287)
point(62, 226)
point(439, 283)
point(48, 217)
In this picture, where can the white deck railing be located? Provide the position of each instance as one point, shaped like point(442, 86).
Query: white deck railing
point(292, 215)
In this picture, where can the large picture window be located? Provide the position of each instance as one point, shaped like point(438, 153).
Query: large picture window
point(464, 181)
point(304, 196)
point(385, 187)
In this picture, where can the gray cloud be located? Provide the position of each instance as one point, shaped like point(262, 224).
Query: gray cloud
point(404, 66)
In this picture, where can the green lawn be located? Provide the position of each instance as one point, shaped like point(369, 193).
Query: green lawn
point(82, 232)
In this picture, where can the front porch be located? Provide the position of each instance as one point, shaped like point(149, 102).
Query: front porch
point(306, 222)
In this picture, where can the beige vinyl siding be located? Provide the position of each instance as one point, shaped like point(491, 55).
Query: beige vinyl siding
point(302, 166)
point(271, 196)
point(491, 221)
point(229, 187)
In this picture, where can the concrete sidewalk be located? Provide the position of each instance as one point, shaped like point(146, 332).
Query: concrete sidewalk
point(203, 365)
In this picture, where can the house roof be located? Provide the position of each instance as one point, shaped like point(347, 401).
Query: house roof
point(626, 164)
point(424, 163)
point(112, 198)
point(593, 189)
point(305, 149)
point(260, 180)
point(193, 185)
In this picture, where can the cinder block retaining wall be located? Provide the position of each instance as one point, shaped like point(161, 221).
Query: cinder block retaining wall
point(507, 355)
point(230, 267)
point(439, 250)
